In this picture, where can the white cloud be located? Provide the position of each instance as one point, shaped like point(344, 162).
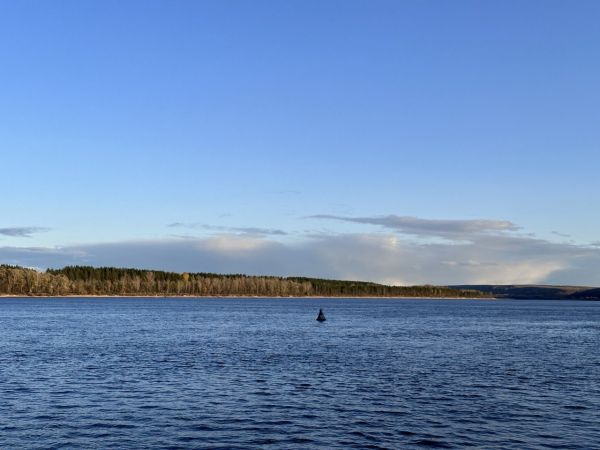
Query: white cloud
point(386, 258)
point(231, 244)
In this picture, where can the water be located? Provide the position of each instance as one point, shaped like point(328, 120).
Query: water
point(262, 373)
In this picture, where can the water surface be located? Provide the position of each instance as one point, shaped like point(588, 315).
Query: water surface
point(262, 373)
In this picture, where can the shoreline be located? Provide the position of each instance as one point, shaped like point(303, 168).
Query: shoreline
point(244, 296)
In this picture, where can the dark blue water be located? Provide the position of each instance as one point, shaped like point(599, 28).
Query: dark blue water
point(262, 373)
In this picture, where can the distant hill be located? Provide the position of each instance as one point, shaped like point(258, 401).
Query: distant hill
point(534, 291)
point(587, 294)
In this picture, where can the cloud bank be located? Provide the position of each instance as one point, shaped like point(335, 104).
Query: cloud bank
point(387, 258)
point(415, 226)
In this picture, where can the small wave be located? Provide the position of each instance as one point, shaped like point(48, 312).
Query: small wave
point(431, 443)
point(363, 435)
point(116, 426)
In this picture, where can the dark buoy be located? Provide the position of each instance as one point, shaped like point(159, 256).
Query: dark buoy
point(321, 316)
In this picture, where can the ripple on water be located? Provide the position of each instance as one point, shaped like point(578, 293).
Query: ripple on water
point(197, 373)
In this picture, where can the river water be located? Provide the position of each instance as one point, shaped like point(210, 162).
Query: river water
point(262, 373)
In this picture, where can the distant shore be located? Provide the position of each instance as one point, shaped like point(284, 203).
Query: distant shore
point(76, 281)
point(349, 297)
point(247, 296)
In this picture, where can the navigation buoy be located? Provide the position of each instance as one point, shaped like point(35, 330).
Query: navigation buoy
point(321, 316)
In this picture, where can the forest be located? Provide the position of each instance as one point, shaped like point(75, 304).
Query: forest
point(86, 280)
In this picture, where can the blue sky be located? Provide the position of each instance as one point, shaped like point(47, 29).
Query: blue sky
point(312, 127)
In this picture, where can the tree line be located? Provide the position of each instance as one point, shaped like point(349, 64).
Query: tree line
point(86, 280)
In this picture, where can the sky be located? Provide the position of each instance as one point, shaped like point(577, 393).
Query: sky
point(402, 142)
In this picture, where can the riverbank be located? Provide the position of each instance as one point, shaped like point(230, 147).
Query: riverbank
point(248, 296)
